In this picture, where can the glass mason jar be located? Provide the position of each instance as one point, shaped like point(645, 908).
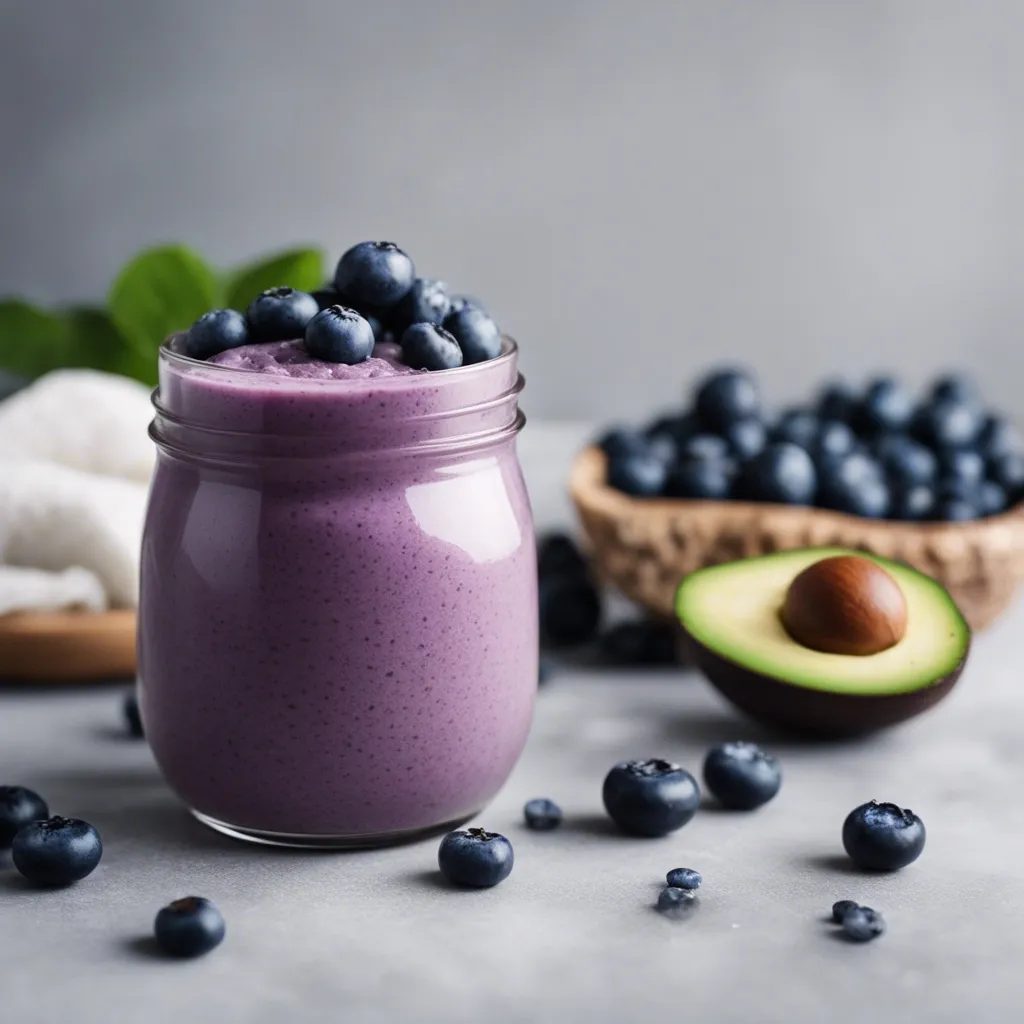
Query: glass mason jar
point(338, 612)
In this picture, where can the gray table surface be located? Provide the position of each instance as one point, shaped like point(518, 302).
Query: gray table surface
point(572, 935)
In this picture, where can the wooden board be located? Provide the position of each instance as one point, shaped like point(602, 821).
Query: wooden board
point(67, 647)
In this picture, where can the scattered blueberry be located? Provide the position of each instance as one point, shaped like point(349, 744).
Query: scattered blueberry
point(709, 479)
point(216, 332)
point(684, 878)
point(838, 401)
point(783, 472)
point(558, 555)
point(57, 851)
point(429, 347)
point(570, 610)
point(955, 387)
point(641, 642)
point(130, 711)
point(854, 484)
point(426, 301)
point(19, 807)
point(641, 474)
point(955, 510)
point(650, 798)
point(280, 314)
point(841, 908)
point(862, 924)
point(991, 498)
point(745, 437)
point(189, 927)
point(883, 837)
point(339, 335)
point(477, 334)
point(947, 424)
point(542, 815)
point(673, 900)
point(725, 396)
point(474, 858)
point(915, 503)
point(741, 776)
point(886, 406)
point(797, 426)
point(378, 273)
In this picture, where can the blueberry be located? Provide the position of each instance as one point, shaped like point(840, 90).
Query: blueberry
point(854, 485)
point(833, 440)
point(189, 927)
point(570, 611)
point(339, 335)
point(883, 837)
point(542, 815)
point(999, 436)
point(783, 473)
point(460, 302)
point(429, 347)
point(664, 447)
point(641, 474)
point(426, 301)
point(905, 460)
point(838, 401)
point(674, 900)
point(954, 510)
point(215, 332)
point(797, 426)
point(700, 478)
point(962, 464)
point(914, 502)
point(558, 555)
point(19, 807)
point(378, 273)
point(947, 424)
point(954, 387)
point(745, 437)
point(680, 428)
point(862, 924)
point(280, 314)
point(1008, 472)
point(684, 878)
point(328, 296)
point(130, 712)
point(619, 441)
point(886, 406)
point(640, 642)
point(57, 851)
point(724, 396)
point(650, 798)
point(841, 908)
point(474, 858)
point(741, 775)
point(704, 446)
point(991, 498)
point(477, 334)
point(954, 487)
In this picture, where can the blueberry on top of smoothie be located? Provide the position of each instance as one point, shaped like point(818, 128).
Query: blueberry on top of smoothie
point(279, 314)
point(426, 301)
point(378, 273)
point(216, 332)
point(477, 334)
point(430, 347)
point(339, 335)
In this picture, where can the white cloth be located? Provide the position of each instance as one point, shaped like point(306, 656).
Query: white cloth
point(75, 461)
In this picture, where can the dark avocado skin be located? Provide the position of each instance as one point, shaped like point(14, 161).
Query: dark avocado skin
point(814, 713)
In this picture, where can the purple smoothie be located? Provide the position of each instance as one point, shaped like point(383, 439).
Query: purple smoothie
point(338, 619)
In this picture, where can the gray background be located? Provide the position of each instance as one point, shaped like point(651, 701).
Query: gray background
point(637, 189)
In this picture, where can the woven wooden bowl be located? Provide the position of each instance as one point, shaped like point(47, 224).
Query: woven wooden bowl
point(646, 546)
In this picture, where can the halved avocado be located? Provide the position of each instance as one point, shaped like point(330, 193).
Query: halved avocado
point(734, 631)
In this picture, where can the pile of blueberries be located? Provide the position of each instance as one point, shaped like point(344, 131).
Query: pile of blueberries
point(375, 296)
point(876, 452)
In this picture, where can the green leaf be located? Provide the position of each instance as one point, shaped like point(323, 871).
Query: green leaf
point(32, 341)
point(96, 342)
point(159, 292)
point(299, 268)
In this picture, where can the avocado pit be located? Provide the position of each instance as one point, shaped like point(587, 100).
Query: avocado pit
point(846, 604)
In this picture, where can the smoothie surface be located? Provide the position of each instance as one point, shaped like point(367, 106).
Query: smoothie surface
point(290, 359)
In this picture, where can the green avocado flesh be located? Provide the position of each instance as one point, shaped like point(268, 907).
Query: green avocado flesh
point(733, 610)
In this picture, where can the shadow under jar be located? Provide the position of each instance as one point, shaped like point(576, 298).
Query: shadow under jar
point(338, 614)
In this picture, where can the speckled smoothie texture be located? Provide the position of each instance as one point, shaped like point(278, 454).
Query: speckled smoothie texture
point(338, 620)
